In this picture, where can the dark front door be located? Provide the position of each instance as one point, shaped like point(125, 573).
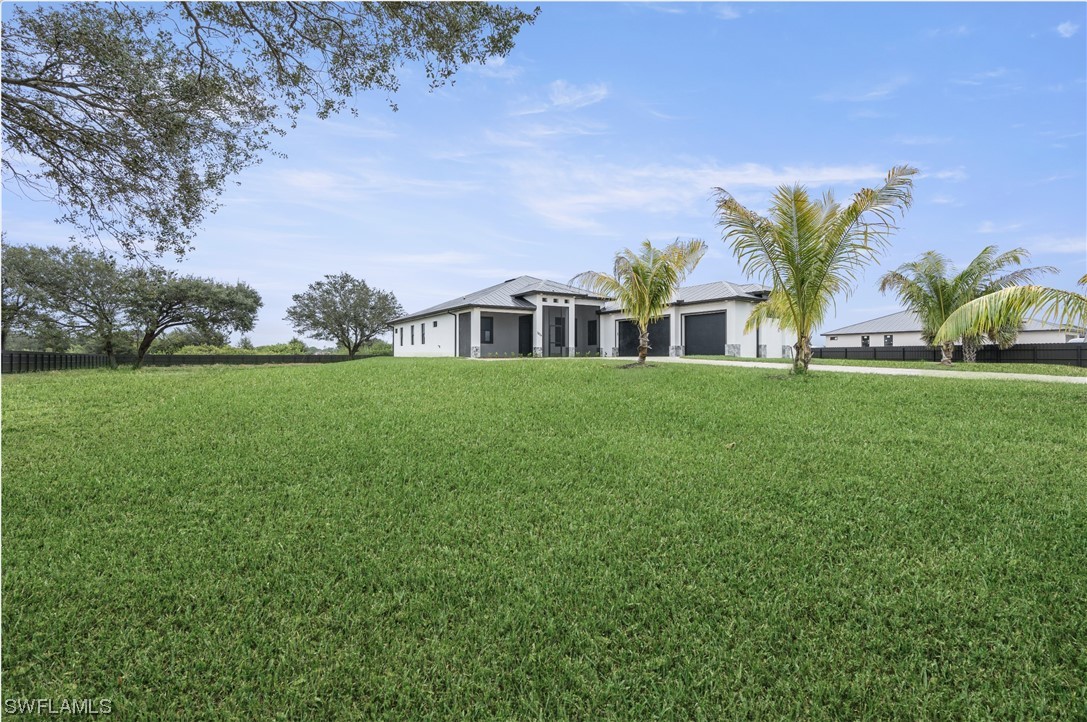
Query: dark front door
point(660, 336)
point(704, 334)
point(524, 335)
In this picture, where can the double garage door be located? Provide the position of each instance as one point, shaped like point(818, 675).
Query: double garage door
point(703, 335)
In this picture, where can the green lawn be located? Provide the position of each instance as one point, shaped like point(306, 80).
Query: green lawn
point(1005, 368)
point(447, 539)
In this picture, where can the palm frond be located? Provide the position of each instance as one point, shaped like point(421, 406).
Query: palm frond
point(1009, 306)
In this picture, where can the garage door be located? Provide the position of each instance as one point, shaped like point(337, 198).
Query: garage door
point(660, 336)
point(704, 334)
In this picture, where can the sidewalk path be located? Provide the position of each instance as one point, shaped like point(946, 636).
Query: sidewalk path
point(878, 370)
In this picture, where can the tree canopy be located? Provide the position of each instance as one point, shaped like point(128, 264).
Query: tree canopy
point(343, 309)
point(643, 282)
point(132, 117)
point(933, 289)
point(811, 250)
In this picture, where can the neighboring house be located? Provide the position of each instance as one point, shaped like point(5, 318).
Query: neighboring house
point(904, 329)
point(528, 316)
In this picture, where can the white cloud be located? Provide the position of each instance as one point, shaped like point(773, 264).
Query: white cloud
point(982, 77)
point(1058, 244)
point(951, 174)
point(496, 67)
point(990, 227)
point(567, 96)
point(956, 31)
point(1067, 29)
point(945, 201)
point(880, 91)
point(726, 12)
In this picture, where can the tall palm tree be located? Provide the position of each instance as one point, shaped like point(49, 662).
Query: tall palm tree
point(931, 288)
point(811, 250)
point(643, 282)
point(1008, 305)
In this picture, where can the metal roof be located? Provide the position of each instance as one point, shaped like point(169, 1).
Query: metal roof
point(705, 292)
point(908, 322)
point(508, 294)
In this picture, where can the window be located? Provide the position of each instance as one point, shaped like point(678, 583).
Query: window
point(486, 329)
point(435, 324)
point(401, 335)
point(413, 334)
point(864, 341)
point(566, 300)
point(833, 338)
point(888, 340)
point(422, 333)
point(592, 340)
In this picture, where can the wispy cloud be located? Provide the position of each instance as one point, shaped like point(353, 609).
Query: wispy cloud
point(440, 258)
point(950, 174)
point(879, 91)
point(955, 31)
point(562, 95)
point(726, 12)
point(568, 96)
point(1058, 244)
point(990, 227)
point(982, 77)
point(945, 201)
point(496, 67)
point(1067, 29)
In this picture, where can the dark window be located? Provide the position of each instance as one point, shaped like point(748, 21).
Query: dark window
point(486, 329)
point(592, 340)
point(401, 335)
point(566, 300)
point(833, 338)
point(435, 324)
point(413, 334)
point(864, 341)
point(888, 340)
point(422, 333)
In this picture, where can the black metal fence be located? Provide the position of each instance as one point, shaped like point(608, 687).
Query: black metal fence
point(1070, 354)
point(20, 362)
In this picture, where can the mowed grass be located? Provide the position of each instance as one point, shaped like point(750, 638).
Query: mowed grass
point(1003, 368)
point(563, 539)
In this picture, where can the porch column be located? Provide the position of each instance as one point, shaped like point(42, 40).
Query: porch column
point(538, 330)
point(572, 331)
point(474, 340)
point(677, 333)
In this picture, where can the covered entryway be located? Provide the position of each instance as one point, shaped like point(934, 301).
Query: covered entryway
point(704, 334)
point(660, 337)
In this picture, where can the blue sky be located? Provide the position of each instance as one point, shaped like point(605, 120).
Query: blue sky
point(610, 123)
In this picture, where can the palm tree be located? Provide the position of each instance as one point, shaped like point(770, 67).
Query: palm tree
point(811, 250)
point(1010, 305)
point(932, 290)
point(643, 282)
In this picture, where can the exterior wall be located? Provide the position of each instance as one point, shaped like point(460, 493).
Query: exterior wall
point(853, 340)
point(770, 336)
point(439, 339)
point(505, 334)
point(913, 338)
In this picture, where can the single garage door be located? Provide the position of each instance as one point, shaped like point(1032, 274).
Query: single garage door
point(660, 336)
point(704, 334)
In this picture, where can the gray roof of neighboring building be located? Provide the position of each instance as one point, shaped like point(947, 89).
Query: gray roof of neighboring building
point(508, 294)
point(908, 322)
point(706, 292)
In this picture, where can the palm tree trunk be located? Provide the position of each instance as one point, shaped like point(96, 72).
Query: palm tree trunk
point(643, 345)
point(802, 355)
point(969, 349)
point(947, 350)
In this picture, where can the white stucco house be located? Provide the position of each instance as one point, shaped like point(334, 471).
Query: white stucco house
point(903, 328)
point(528, 316)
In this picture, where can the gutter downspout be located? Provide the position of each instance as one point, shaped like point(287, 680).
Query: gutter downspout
point(456, 328)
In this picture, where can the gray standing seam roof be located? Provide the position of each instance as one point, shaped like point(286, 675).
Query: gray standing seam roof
point(507, 294)
point(908, 322)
